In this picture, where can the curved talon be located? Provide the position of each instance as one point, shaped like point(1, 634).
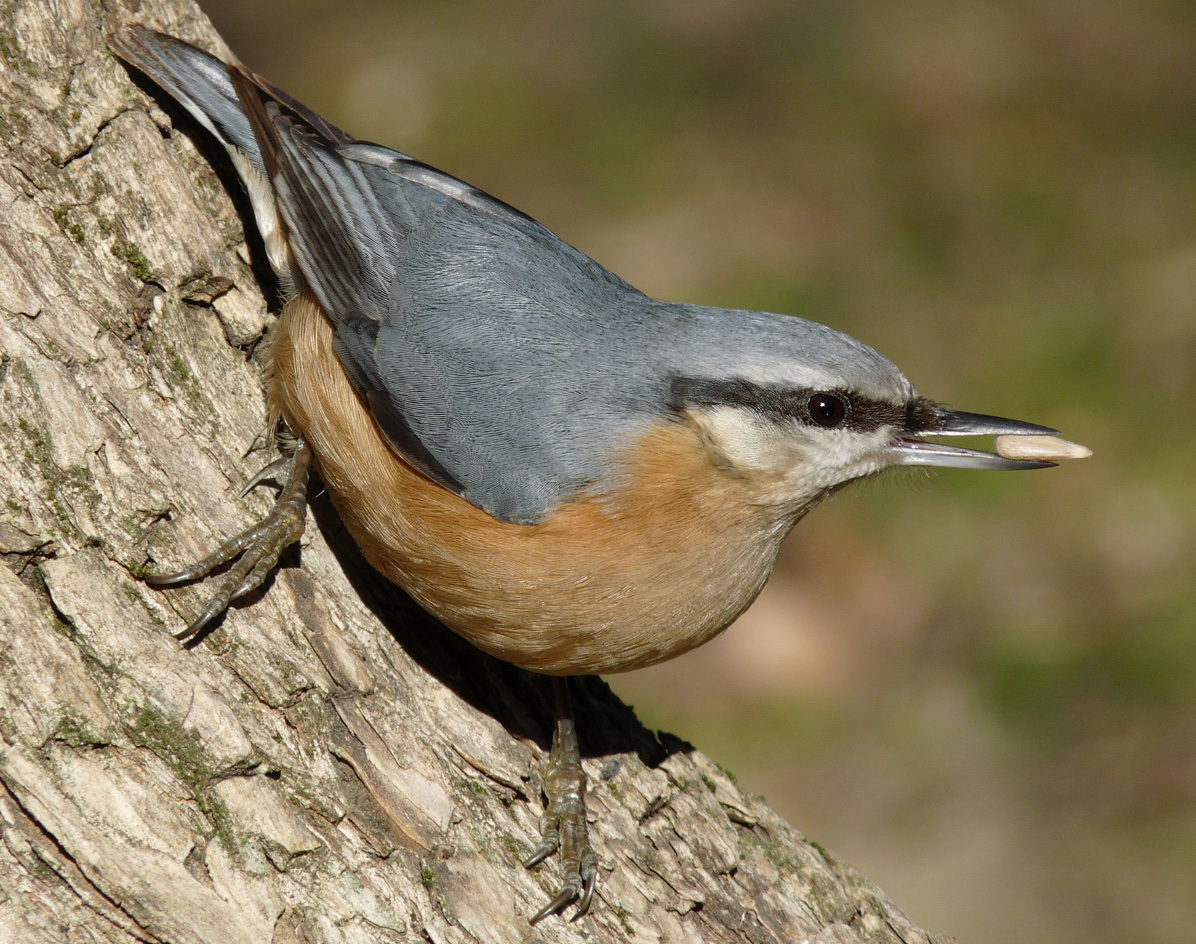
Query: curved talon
point(201, 568)
point(590, 878)
point(558, 904)
point(200, 623)
point(546, 848)
point(258, 546)
point(270, 471)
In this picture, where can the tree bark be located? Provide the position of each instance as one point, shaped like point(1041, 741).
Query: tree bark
point(328, 765)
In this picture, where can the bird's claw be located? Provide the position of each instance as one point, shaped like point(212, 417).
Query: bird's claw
point(258, 547)
point(567, 832)
point(577, 887)
point(563, 826)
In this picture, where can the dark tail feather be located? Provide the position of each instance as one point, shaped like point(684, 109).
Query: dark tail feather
point(200, 82)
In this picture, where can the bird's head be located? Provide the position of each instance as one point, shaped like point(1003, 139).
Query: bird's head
point(798, 410)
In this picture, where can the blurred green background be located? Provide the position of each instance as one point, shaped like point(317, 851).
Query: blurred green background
point(979, 689)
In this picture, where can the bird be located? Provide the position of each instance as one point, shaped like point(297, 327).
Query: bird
point(575, 477)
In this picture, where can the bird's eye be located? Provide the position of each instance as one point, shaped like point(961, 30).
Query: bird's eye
point(827, 410)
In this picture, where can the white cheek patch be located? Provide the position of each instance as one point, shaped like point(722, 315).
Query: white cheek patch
point(747, 442)
point(807, 459)
point(846, 454)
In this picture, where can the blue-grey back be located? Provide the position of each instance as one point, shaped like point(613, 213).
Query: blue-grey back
point(519, 363)
point(499, 360)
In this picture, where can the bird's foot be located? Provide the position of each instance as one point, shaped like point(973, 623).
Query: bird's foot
point(563, 825)
point(258, 546)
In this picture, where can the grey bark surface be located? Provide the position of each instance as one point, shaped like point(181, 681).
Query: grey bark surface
point(328, 765)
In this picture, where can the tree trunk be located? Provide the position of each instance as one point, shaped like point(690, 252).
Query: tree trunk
point(328, 764)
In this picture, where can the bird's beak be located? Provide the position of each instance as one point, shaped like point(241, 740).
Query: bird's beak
point(944, 422)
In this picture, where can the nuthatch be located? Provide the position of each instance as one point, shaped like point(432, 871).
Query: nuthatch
point(575, 477)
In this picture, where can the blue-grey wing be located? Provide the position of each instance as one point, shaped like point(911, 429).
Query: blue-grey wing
point(481, 342)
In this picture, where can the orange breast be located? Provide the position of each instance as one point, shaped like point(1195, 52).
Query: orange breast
point(605, 583)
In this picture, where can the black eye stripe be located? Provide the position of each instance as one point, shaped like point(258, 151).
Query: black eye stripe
point(862, 414)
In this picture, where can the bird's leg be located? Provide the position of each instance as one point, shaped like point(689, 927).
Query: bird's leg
point(563, 825)
point(258, 547)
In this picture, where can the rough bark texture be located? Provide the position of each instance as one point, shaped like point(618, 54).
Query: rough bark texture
point(328, 765)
